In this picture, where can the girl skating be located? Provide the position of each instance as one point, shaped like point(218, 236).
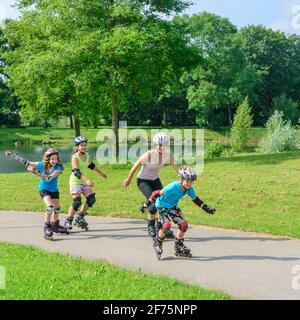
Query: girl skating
point(48, 170)
point(81, 184)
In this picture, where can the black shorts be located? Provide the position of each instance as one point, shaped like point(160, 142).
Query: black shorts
point(147, 187)
point(53, 195)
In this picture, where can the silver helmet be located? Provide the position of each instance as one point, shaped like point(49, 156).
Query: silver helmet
point(187, 173)
point(79, 140)
point(160, 138)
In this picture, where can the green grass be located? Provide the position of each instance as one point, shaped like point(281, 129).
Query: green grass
point(251, 193)
point(37, 135)
point(34, 274)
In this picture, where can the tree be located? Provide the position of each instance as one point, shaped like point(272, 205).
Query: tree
point(276, 58)
point(240, 130)
point(87, 57)
point(289, 108)
point(217, 84)
point(9, 107)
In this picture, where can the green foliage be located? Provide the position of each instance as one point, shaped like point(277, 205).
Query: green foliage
point(289, 108)
point(280, 135)
point(240, 130)
point(218, 83)
point(275, 57)
point(67, 57)
point(79, 56)
point(214, 150)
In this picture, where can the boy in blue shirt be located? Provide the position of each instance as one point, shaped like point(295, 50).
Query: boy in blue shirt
point(167, 205)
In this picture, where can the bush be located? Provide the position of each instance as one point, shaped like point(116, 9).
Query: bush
point(214, 150)
point(289, 108)
point(240, 130)
point(280, 135)
point(228, 152)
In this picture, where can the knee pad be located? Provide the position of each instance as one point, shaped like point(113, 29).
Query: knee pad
point(76, 203)
point(152, 209)
point(57, 210)
point(50, 210)
point(183, 226)
point(166, 227)
point(90, 200)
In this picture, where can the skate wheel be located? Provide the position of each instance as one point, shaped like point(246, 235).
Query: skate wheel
point(190, 255)
point(86, 228)
point(158, 257)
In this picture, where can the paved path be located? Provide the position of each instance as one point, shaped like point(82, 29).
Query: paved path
point(244, 265)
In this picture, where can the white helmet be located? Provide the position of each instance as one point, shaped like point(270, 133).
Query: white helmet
point(160, 138)
point(187, 173)
point(79, 140)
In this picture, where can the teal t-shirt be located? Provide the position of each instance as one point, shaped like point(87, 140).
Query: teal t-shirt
point(172, 195)
point(51, 185)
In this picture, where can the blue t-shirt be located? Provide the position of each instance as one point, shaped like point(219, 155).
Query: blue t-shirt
point(51, 185)
point(172, 195)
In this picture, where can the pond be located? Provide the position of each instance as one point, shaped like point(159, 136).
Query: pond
point(35, 153)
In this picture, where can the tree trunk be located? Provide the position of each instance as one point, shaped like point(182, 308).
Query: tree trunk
point(15, 108)
point(71, 121)
point(46, 124)
point(77, 126)
point(164, 120)
point(95, 122)
point(115, 121)
point(229, 117)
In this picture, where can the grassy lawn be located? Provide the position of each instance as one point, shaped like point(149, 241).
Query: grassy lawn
point(34, 274)
point(251, 193)
point(65, 135)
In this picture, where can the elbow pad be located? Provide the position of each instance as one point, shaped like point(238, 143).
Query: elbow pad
point(77, 173)
point(26, 162)
point(92, 165)
point(154, 195)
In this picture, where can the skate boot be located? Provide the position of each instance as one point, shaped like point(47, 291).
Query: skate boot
point(57, 228)
point(68, 223)
point(152, 226)
point(181, 250)
point(143, 208)
point(48, 233)
point(157, 245)
point(80, 221)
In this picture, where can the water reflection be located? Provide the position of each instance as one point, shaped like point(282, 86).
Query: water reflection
point(35, 153)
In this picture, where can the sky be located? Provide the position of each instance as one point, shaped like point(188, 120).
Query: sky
point(281, 15)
